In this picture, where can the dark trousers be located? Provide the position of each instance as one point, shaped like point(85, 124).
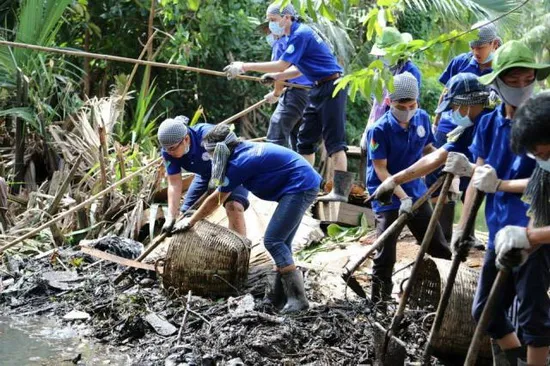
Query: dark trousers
point(529, 283)
point(286, 119)
point(418, 224)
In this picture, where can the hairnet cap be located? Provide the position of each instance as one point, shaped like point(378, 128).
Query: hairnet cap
point(405, 86)
point(486, 34)
point(275, 9)
point(171, 131)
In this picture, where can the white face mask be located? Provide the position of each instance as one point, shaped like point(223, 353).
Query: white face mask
point(513, 96)
point(403, 116)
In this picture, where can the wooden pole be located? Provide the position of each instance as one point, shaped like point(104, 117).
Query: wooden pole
point(243, 112)
point(134, 61)
point(79, 206)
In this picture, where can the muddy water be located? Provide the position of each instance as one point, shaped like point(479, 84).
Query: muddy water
point(43, 341)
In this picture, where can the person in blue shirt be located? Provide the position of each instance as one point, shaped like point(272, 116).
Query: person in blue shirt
point(182, 150)
point(504, 175)
point(285, 120)
point(478, 61)
point(272, 173)
point(391, 37)
point(325, 115)
point(467, 98)
point(395, 142)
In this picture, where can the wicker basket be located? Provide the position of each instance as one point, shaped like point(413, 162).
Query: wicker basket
point(210, 260)
point(457, 328)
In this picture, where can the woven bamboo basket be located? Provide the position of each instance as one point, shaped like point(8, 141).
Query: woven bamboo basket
point(210, 260)
point(458, 326)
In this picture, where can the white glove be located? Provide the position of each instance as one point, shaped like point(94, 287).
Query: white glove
point(485, 179)
point(508, 239)
point(363, 143)
point(234, 69)
point(406, 206)
point(183, 225)
point(168, 224)
point(271, 97)
point(458, 165)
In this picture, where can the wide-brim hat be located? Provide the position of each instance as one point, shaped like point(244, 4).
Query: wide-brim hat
point(511, 55)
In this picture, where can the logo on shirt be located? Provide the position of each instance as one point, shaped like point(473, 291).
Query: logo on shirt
point(373, 145)
point(421, 131)
point(290, 49)
point(205, 156)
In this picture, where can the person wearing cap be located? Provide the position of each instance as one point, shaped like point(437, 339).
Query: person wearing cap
point(325, 115)
point(182, 150)
point(467, 99)
point(503, 176)
point(285, 120)
point(391, 37)
point(395, 142)
point(478, 61)
point(272, 173)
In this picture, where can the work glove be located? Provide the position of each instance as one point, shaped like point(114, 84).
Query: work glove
point(268, 79)
point(458, 165)
point(363, 144)
point(454, 190)
point(485, 179)
point(384, 192)
point(511, 247)
point(271, 97)
point(461, 248)
point(233, 69)
point(168, 224)
point(182, 225)
point(406, 206)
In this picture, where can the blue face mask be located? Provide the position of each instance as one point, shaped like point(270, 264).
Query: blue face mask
point(460, 120)
point(276, 28)
point(489, 58)
point(270, 38)
point(544, 164)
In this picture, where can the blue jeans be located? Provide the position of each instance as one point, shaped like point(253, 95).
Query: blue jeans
point(285, 120)
point(284, 224)
point(529, 283)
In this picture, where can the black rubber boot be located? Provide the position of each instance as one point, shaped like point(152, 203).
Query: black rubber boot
point(276, 296)
point(293, 284)
point(341, 187)
point(516, 356)
point(381, 293)
point(446, 220)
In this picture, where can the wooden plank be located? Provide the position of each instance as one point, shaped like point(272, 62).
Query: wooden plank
point(354, 152)
point(342, 213)
point(116, 259)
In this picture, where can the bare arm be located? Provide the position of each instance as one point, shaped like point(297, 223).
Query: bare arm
point(278, 88)
point(272, 66)
point(438, 116)
point(381, 169)
point(209, 205)
point(513, 186)
point(428, 149)
point(174, 194)
point(469, 199)
point(539, 235)
point(290, 73)
point(422, 167)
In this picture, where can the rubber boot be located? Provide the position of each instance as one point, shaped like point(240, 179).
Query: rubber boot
point(276, 296)
point(293, 285)
point(446, 220)
point(341, 187)
point(381, 293)
point(499, 357)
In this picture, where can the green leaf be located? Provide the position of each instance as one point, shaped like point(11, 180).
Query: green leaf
point(326, 12)
point(198, 114)
point(193, 5)
point(311, 10)
point(334, 230)
point(386, 2)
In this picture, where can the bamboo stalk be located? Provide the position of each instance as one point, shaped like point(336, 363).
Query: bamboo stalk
point(79, 206)
point(243, 112)
point(104, 57)
point(55, 203)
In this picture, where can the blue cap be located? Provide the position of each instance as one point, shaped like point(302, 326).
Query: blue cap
point(463, 89)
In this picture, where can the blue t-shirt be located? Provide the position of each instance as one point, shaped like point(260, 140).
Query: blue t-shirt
point(277, 51)
point(269, 171)
point(492, 143)
point(465, 62)
point(462, 144)
point(309, 53)
point(196, 160)
point(386, 139)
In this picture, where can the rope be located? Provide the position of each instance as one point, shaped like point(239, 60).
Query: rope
point(136, 61)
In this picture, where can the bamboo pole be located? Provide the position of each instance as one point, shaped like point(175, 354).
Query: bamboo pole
point(99, 56)
point(78, 207)
point(243, 112)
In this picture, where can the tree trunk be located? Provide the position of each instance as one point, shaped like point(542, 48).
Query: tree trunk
point(20, 133)
point(147, 74)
